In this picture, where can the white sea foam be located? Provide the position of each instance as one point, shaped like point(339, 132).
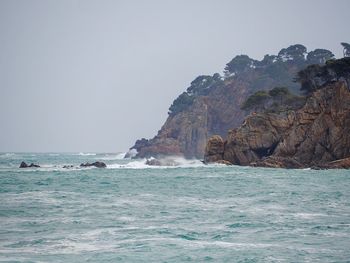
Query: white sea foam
point(86, 154)
point(137, 164)
point(4, 155)
point(168, 162)
point(111, 157)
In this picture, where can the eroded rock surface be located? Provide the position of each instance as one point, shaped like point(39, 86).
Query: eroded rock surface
point(318, 134)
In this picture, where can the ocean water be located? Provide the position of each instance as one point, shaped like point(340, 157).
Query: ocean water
point(130, 212)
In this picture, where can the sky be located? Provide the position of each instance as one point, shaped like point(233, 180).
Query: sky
point(94, 76)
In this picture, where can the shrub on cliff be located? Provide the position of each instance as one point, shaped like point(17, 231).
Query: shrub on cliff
point(275, 100)
point(181, 103)
point(315, 77)
point(200, 86)
point(256, 101)
point(203, 84)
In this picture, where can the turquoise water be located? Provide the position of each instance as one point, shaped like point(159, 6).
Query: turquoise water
point(192, 213)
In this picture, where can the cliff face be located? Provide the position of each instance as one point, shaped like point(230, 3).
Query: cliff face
point(212, 104)
point(315, 135)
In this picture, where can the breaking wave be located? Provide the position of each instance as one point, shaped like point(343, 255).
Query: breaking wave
point(169, 162)
point(111, 157)
point(86, 154)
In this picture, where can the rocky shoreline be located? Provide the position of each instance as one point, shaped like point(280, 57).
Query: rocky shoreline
point(316, 136)
point(281, 112)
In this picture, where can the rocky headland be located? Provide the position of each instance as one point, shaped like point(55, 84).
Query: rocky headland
point(316, 135)
point(287, 110)
point(212, 104)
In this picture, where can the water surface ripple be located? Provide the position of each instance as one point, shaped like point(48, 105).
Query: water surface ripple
point(191, 214)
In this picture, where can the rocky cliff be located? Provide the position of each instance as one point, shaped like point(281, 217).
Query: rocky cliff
point(316, 135)
point(212, 104)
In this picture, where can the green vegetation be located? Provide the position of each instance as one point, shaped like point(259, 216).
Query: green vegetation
point(275, 100)
point(239, 64)
point(181, 103)
point(319, 56)
point(295, 52)
point(293, 67)
point(200, 86)
point(256, 101)
point(279, 92)
point(315, 77)
point(203, 84)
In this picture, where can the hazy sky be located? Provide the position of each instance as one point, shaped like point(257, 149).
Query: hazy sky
point(88, 76)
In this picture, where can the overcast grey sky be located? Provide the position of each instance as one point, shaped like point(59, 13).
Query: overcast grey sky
point(94, 76)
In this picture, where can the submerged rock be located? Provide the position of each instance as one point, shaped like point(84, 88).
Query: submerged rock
point(25, 165)
point(95, 164)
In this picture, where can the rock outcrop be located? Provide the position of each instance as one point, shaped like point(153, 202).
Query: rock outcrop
point(25, 165)
point(95, 164)
point(212, 104)
point(317, 135)
point(214, 149)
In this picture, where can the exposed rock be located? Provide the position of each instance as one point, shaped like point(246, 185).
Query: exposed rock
point(337, 164)
point(315, 135)
point(216, 108)
point(214, 149)
point(25, 165)
point(278, 162)
point(68, 166)
point(95, 164)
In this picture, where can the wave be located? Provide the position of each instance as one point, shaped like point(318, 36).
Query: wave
point(85, 154)
point(6, 155)
point(168, 162)
point(110, 157)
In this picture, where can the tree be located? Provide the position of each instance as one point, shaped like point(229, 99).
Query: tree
point(306, 78)
point(319, 56)
point(295, 52)
point(267, 60)
point(239, 64)
point(279, 93)
point(180, 103)
point(203, 84)
point(256, 101)
point(346, 51)
point(315, 76)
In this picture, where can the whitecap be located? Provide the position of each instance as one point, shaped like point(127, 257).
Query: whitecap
point(86, 154)
point(109, 157)
point(168, 162)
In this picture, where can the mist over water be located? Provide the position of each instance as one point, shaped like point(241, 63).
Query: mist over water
point(169, 214)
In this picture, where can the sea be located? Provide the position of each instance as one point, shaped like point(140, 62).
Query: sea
point(187, 212)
